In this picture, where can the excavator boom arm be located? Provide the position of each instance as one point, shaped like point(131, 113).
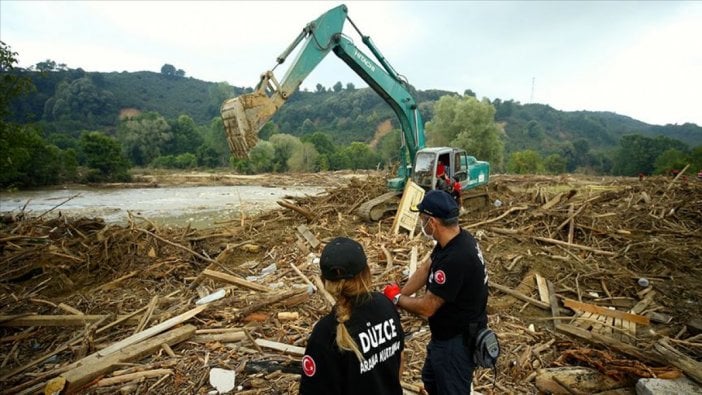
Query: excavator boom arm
point(244, 116)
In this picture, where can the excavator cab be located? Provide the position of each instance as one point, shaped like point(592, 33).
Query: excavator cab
point(459, 166)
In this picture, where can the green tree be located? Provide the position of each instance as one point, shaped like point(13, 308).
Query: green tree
point(11, 84)
point(215, 147)
point(47, 65)
point(361, 156)
point(144, 137)
point(261, 157)
point(338, 87)
point(80, 100)
point(669, 160)
point(389, 147)
point(285, 145)
point(185, 136)
point(464, 122)
point(304, 159)
point(555, 164)
point(320, 88)
point(168, 69)
point(525, 162)
point(637, 154)
point(218, 93)
point(25, 158)
point(350, 87)
point(103, 155)
point(321, 141)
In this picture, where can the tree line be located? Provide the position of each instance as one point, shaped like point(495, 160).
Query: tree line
point(62, 125)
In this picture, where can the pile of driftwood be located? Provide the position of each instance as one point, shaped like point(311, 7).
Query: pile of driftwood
point(593, 284)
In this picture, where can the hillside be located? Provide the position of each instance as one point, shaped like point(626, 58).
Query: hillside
point(73, 99)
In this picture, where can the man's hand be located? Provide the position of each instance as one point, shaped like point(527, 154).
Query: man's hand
point(392, 292)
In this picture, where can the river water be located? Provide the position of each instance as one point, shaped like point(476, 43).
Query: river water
point(200, 206)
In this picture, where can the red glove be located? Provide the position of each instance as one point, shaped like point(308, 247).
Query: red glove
point(392, 292)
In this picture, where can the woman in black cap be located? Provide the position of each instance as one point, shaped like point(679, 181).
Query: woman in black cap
point(357, 348)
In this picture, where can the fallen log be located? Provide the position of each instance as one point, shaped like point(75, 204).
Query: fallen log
point(307, 213)
point(681, 361)
point(84, 371)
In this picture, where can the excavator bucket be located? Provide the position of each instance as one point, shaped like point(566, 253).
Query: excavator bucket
point(244, 116)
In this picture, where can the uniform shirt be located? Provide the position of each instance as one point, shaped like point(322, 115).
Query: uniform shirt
point(458, 276)
point(375, 326)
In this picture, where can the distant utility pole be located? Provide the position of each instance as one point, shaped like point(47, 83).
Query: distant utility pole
point(531, 98)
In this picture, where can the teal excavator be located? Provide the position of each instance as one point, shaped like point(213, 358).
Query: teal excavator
point(245, 115)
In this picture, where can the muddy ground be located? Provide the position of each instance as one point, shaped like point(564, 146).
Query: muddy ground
point(593, 238)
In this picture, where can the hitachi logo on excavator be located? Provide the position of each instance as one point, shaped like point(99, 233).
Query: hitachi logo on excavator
point(363, 59)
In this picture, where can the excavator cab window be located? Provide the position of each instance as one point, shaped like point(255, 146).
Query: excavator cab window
point(461, 173)
point(425, 169)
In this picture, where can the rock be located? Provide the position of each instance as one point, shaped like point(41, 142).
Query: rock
point(683, 385)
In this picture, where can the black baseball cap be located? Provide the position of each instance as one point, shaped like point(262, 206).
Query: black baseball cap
point(342, 258)
point(437, 203)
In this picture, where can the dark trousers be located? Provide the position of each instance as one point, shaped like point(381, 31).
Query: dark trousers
point(448, 367)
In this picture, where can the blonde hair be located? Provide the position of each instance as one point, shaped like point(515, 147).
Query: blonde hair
point(344, 291)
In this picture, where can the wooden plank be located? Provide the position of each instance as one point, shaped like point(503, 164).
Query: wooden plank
point(618, 329)
point(152, 331)
point(311, 239)
point(599, 339)
point(575, 305)
point(520, 295)
point(404, 217)
point(87, 369)
point(543, 288)
point(584, 320)
point(553, 302)
point(228, 278)
point(285, 348)
point(641, 306)
point(626, 326)
point(597, 322)
point(52, 320)
point(413, 261)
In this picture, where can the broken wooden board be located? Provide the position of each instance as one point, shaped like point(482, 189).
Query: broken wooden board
point(575, 305)
point(285, 348)
point(406, 218)
point(311, 239)
point(228, 278)
point(154, 330)
point(575, 380)
point(543, 288)
point(92, 366)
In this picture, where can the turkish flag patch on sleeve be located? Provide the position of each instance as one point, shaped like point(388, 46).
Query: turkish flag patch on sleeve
point(308, 366)
point(440, 277)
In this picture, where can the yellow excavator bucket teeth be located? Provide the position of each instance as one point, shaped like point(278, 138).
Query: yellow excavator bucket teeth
point(243, 117)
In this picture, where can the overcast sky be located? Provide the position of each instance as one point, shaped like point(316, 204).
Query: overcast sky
point(640, 59)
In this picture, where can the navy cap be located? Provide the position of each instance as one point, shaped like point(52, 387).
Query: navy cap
point(342, 258)
point(437, 203)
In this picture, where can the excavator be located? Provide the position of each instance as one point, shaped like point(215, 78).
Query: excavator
point(245, 115)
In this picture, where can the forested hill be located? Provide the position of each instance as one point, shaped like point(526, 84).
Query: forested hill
point(73, 100)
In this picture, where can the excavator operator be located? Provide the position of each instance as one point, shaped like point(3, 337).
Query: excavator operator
point(448, 184)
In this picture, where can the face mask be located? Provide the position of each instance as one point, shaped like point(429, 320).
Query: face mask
point(424, 232)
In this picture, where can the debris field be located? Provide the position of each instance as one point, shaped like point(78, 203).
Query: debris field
point(594, 283)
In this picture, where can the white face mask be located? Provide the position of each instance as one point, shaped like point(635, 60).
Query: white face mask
point(424, 232)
